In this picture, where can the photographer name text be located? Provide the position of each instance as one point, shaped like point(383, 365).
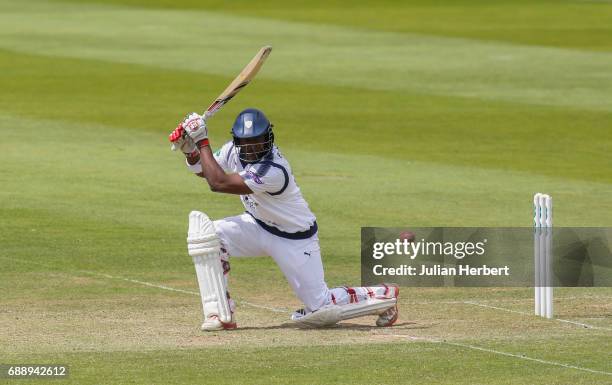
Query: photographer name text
point(442, 271)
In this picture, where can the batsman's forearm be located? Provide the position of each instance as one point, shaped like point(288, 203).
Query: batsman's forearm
point(214, 174)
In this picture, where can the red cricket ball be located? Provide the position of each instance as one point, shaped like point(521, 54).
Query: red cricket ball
point(409, 235)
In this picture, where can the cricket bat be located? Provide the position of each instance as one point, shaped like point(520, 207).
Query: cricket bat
point(244, 77)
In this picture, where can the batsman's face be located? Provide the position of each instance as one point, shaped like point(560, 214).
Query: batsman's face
point(251, 148)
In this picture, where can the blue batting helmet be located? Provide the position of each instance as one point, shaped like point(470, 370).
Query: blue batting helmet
point(250, 124)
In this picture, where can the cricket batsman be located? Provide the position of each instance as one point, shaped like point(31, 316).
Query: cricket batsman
point(277, 222)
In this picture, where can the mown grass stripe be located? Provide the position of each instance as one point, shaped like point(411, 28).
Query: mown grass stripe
point(377, 60)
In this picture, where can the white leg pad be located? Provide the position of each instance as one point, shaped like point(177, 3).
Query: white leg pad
point(331, 314)
point(204, 247)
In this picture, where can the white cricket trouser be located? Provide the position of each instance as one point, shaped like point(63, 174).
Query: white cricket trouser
point(299, 260)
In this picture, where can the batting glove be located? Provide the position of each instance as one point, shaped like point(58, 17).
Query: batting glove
point(195, 127)
point(181, 141)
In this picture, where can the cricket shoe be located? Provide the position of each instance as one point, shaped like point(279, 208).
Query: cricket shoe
point(389, 316)
point(213, 323)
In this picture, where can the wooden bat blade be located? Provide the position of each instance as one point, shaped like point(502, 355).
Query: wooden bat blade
point(243, 78)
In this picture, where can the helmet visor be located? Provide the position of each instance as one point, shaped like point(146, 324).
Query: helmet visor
point(253, 149)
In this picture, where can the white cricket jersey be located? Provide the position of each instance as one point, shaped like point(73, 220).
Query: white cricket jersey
point(276, 199)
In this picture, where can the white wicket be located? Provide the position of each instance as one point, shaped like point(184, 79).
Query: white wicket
point(542, 241)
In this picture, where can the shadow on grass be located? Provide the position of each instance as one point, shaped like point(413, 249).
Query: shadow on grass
point(340, 326)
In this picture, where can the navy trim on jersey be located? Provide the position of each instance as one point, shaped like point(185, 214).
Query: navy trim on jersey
point(264, 170)
point(279, 233)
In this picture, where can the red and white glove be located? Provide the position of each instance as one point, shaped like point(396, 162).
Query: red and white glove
point(195, 127)
point(181, 141)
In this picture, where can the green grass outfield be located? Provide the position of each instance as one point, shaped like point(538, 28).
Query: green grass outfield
point(441, 113)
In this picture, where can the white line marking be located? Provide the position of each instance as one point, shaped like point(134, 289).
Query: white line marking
point(586, 326)
point(527, 358)
point(276, 310)
point(523, 357)
point(495, 307)
point(556, 298)
point(138, 282)
point(284, 311)
point(144, 283)
point(500, 300)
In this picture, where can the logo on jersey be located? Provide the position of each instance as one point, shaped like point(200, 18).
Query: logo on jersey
point(249, 202)
point(255, 177)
